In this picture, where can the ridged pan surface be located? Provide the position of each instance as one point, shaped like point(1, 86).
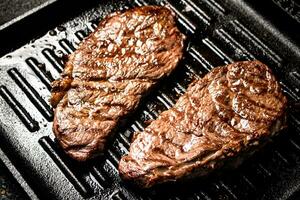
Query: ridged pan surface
point(218, 33)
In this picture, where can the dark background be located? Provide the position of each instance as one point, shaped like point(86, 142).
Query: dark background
point(10, 9)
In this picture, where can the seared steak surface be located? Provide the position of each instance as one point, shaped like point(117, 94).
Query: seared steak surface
point(105, 78)
point(222, 117)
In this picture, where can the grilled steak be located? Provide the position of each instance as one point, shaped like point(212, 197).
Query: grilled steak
point(105, 78)
point(221, 118)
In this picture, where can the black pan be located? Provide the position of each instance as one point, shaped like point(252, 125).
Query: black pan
point(218, 31)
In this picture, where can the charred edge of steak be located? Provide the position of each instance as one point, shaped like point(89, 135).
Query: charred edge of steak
point(147, 165)
point(60, 86)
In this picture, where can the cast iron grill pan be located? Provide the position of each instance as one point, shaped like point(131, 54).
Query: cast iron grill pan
point(219, 32)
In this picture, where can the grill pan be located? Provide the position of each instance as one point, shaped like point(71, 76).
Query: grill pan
point(219, 32)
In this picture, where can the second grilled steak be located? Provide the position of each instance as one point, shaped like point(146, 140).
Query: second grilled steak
point(105, 78)
point(222, 118)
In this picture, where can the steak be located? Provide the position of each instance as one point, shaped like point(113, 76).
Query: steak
point(106, 77)
point(221, 119)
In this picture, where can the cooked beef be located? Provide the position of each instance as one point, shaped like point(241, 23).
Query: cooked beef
point(105, 78)
point(220, 119)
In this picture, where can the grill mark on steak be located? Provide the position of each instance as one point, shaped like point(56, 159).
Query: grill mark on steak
point(221, 118)
point(105, 78)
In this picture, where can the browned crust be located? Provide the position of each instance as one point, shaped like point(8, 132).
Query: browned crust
point(106, 77)
point(156, 155)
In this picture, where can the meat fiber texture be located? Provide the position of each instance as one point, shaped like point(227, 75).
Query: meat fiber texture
point(106, 77)
point(221, 118)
